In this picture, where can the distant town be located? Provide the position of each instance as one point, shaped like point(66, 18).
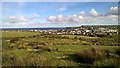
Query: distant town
point(94, 31)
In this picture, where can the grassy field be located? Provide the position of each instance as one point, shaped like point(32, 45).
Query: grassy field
point(35, 49)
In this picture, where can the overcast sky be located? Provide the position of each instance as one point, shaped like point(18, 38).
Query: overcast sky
point(58, 14)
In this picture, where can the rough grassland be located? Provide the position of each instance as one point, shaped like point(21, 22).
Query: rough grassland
point(32, 48)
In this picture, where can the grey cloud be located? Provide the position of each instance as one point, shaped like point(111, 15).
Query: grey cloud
point(113, 11)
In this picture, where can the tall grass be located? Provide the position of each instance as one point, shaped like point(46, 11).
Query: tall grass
point(10, 59)
point(89, 56)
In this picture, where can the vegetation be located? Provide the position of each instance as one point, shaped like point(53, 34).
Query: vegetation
point(26, 48)
point(89, 56)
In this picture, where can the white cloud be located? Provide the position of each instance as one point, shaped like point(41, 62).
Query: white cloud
point(61, 9)
point(114, 19)
point(23, 23)
point(112, 16)
point(35, 15)
point(52, 18)
point(60, 18)
point(15, 19)
point(74, 15)
point(75, 18)
point(12, 18)
point(22, 19)
point(80, 17)
point(93, 12)
point(82, 13)
point(98, 19)
point(113, 11)
point(70, 20)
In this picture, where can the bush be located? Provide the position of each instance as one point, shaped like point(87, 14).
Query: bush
point(44, 48)
point(13, 40)
point(22, 47)
point(89, 56)
point(118, 51)
point(47, 49)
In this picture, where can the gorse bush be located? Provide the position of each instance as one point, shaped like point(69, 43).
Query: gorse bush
point(89, 56)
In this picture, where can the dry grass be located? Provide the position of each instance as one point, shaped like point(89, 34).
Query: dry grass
point(89, 56)
point(10, 59)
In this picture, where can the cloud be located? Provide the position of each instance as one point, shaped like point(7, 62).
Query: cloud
point(80, 17)
point(15, 19)
point(23, 23)
point(56, 19)
point(76, 18)
point(112, 16)
point(12, 19)
point(82, 13)
point(113, 10)
point(93, 12)
point(22, 19)
point(60, 18)
point(52, 18)
point(34, 16)
point(74, 15)
point(61, 9)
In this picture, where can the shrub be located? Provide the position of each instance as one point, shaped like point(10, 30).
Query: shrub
point(89, 56)
point(44, 48)
point(22, 47)
point(47, 49)
point(57, 49)
point(75, 38)
point(118, 51)
point(13, 40)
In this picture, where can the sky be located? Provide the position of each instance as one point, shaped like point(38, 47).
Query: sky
point(58, 14)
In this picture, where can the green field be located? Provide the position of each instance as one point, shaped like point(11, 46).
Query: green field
point(26, 48)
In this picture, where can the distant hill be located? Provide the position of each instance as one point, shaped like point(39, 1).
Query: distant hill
point(100, 25)
point(96, 26)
